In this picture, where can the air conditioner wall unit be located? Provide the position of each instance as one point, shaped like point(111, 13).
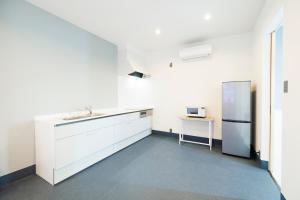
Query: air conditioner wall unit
point(195, 52)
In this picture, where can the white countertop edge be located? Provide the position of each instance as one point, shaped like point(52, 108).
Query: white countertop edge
point(57, 119)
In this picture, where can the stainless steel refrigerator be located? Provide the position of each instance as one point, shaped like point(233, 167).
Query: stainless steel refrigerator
point(236, 118)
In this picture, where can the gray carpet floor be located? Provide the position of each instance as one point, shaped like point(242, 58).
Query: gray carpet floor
point(156, 168)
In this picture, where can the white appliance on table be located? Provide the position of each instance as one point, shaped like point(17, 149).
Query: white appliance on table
point(196, 111)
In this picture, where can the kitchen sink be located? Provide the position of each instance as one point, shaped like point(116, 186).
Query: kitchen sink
point(82, 116)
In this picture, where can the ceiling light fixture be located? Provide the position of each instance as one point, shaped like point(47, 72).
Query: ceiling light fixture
point(157, 31)
point(207, 16)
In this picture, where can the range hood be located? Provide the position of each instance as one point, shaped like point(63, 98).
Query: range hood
point(137, 74)
point(132, 63)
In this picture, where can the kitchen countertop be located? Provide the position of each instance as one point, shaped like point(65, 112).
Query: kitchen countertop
point(58, 119)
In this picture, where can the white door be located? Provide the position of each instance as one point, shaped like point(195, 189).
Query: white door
point(276, 104)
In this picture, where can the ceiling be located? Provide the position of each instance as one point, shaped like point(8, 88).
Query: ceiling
point(133, 22)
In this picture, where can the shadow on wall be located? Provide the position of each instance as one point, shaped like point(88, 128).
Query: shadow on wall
point(17, 147)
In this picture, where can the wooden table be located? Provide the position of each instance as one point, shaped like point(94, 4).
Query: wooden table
point(209, 120)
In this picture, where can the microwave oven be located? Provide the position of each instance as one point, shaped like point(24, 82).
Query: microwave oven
point(193, 111)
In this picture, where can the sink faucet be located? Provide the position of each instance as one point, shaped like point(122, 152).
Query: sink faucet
point(89, 109)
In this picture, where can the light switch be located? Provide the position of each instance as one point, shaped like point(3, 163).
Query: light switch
point(285, 86)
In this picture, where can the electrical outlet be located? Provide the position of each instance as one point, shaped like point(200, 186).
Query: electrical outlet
point(171, 131)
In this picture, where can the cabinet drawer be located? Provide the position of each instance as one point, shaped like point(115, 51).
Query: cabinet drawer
point(131, 128)
point(126, 117)
point(85, 126)
point(82, 127)
point(74, 148)
point(141, 124)
point(68, 150)
point(100, 139)
point(124, 130)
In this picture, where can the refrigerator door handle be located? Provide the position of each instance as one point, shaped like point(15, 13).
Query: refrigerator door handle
point(237, 121)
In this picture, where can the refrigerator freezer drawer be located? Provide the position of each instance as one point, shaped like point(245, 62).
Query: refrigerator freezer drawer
point(236, 138)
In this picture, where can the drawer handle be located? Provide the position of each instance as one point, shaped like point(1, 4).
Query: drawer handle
point(143, 114)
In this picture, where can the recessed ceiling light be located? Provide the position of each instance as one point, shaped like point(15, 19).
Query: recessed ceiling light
point(157, 31)
point(207, 16)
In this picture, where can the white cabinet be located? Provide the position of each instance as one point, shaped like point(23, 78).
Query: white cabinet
point(73, 147)
point(84, 126)
point(142, 124)
point(99, 139)
point(68, 150)
point(130, 128)
point(123, 131)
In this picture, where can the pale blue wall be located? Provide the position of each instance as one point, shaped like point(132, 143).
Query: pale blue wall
point(47, 65)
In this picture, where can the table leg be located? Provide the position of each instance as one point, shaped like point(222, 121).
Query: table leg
point(179, 138)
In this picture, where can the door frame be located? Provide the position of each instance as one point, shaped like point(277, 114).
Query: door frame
point(265, 114)
point(273, 49)
point(265, 88)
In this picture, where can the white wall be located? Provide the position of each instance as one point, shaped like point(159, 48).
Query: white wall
point(291, 106)
point(266, 23)
point(169, 90)
point(46, 66)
